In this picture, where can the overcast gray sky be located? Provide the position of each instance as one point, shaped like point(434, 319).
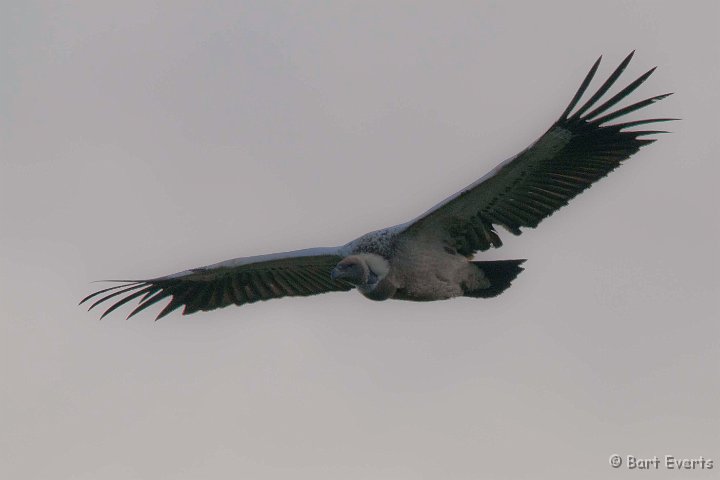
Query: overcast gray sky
point(142, 138)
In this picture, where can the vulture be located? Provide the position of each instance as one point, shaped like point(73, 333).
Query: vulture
point(430, 257)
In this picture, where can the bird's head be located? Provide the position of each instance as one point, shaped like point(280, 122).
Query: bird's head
point(365, 270)
point(353, 269)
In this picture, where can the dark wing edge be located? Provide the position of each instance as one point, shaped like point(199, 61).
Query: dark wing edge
point(578, 150)
point(227, 283)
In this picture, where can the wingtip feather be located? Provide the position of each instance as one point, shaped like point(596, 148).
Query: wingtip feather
point(604, 87)
point(580, 91)
point(615, 99)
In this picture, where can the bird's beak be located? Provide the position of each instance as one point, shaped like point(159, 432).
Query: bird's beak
point(338, 273)
point(335, 274)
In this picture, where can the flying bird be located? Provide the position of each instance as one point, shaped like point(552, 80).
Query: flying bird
point(430, 257)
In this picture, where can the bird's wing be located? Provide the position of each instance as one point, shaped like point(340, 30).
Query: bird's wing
point(579, 149)
point(238, 281)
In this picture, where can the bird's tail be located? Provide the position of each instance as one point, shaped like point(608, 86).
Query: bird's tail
point(500, 273)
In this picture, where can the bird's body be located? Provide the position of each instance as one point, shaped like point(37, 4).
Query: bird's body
point(417, 269)
point(430, 257)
